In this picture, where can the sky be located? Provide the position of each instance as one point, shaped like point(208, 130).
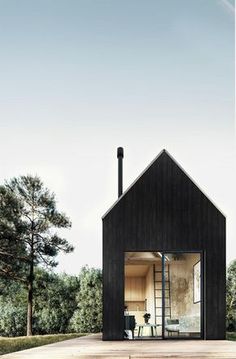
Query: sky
point(78, 78)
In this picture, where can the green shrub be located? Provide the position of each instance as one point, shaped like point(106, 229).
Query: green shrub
point(62, 304)
point(55, 302)
point(88, 316)
point(12, 320)
point(231, 297)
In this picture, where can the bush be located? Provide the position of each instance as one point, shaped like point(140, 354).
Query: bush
point(62, 303)
point(88, 316)
point(55, 302)
point(231, 297)
point(12, 320)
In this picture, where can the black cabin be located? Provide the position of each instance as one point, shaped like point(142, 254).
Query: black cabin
point(164, 258)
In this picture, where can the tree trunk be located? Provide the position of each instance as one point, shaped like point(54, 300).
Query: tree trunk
point(30, 300)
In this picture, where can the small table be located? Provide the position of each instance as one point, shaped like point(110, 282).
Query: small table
point(153, 327)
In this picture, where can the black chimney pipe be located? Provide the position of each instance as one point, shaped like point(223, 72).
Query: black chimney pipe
point(120, 156)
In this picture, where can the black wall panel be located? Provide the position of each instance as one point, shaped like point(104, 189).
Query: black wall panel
point(164, 211)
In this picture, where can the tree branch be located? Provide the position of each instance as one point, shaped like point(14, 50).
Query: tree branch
point(7, 274)
point(14, 256)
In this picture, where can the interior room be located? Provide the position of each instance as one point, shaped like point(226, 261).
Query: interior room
point(162, 295)
point(139, 292)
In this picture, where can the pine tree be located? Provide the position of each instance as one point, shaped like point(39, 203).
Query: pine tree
point(28, 222)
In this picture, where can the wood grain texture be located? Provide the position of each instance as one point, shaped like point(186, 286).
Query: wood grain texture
point(92, 347)
point(164, 211)
point(135, 288)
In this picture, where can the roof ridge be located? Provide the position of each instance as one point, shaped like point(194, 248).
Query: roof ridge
point(145, 170)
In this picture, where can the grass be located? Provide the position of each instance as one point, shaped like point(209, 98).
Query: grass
point(9, 345)
point(231, 335)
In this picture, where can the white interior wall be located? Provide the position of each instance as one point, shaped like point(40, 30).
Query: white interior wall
point(181, 287)
point(149, 294)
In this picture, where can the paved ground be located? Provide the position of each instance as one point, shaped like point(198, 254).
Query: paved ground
point(93, 347)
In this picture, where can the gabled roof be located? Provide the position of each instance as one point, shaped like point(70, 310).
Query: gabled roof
point(146, 169)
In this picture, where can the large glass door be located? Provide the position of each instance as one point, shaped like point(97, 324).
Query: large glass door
point(162, 295)
point(142, 295)
point(182, 297)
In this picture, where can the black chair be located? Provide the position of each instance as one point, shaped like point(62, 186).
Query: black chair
point(130, 323)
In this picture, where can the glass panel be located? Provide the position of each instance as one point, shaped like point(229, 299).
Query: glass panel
point(158, 276)
point(182, 295)
point(158, 286)
point(158, 302)
point(143, 295)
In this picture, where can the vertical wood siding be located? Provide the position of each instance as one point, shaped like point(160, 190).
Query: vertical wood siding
point(164, 211)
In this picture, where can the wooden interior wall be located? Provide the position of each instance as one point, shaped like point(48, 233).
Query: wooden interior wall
point(135, 288)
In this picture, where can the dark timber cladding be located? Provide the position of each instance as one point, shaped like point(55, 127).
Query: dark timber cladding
point(164, 210)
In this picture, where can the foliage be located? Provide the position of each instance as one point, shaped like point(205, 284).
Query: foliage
point(231, 336)
point(9, 345)
point(62, 303)
point(29, 219)
point(28, 239)
point(12, 320)
point(231, 297)
point(12, 249)
point(32, 220)
point(147, 316)
point(56, 301)
point(88, 316)
point(13, 306)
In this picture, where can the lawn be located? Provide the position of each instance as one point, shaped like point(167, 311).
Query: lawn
point(231, 336)
point(9, 345)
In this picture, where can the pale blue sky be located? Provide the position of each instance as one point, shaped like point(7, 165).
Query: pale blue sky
point(79, 78)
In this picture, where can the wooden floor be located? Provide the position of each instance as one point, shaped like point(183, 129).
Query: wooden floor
point(93, 347)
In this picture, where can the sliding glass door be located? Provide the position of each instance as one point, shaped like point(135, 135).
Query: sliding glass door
point(162, 295)
point(182, 286)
